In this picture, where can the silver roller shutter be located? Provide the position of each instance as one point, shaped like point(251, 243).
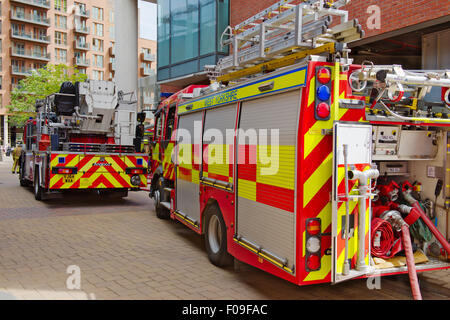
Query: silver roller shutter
point(187, 191)
point(217, 122)
point(261, 220)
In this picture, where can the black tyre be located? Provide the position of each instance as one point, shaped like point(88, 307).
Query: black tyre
point(161, 211)
point(38, 191)
point(216, 237)
point(22, 180)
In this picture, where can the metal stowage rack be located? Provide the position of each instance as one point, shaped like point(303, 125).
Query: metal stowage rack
point(282, 29)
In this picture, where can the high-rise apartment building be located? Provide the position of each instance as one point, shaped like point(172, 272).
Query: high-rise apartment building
point(76, 33)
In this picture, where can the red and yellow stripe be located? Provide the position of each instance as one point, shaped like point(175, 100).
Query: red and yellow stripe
point(95, 171)
point(317, 163)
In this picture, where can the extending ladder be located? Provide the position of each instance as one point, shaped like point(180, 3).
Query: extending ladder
point(282, 29)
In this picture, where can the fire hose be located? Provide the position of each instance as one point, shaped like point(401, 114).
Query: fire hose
point(412, 273)
point(418, 211)
point(384, 245)
point(383, 239)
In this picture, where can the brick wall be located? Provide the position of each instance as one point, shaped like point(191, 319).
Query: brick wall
point(394, 14)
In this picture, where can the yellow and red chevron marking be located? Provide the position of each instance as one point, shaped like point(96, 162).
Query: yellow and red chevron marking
point(96, 171)
point(218, 162)
point(168, 165)
point(189, 162)
point(275, 188)
point(316, 168)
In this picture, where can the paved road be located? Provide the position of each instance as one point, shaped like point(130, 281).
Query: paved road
point(124, 252)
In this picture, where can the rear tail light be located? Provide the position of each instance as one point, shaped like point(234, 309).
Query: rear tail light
point(313, 262)
point(313, 226)
point(313, 244)
point(136, 171)
point(64, 170)
point(322, 109)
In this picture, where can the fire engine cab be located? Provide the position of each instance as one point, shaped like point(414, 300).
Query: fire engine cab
point(303, 164)
point(83, 138)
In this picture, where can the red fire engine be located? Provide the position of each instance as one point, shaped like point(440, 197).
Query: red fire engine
point(84, 138)
point(300, 163)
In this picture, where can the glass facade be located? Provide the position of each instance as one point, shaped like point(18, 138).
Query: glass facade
point(189, 35)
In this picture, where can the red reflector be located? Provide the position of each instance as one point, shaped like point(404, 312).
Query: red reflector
point(313, 227)
point(136, 171)
point(323, 110)
point(65, 171)
point(313, 262)
point(323, 75)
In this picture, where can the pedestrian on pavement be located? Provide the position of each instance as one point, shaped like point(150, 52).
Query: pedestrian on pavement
point(8, 150)
point(16, 156)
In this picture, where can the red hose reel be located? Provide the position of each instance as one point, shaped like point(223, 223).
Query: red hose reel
point(384, 242)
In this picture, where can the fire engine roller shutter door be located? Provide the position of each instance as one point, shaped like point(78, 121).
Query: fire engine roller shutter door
point(218, 155)
point(266, 199)
point(188, 168)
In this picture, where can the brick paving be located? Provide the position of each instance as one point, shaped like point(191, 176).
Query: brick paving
point(125, 252)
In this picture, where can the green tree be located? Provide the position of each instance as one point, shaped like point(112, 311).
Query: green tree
point(38, 85)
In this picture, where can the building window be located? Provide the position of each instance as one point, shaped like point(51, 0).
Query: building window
point(19, 48)
point(184, 19)
point(97, 44)
point(60, 38)
point(60, 21)
point(97, 75)
point(61, 5)
point(97, 13)
point(111, 16)
point(98, 61)
point(98, 29)
point(61, 55)
point(112, 32)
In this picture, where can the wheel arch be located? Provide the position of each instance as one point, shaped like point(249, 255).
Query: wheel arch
point(211, 202)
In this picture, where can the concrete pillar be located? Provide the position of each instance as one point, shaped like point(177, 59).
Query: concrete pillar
point(5, 130)
point(126, 44)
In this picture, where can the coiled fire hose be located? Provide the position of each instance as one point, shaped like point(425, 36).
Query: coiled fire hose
point(384, 245)
point(383, 239)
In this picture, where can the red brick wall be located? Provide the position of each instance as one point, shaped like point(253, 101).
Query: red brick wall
point(394, 14)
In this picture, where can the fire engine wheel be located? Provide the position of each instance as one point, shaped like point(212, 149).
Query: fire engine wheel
point(161, 211)
point(216, 237)
point(22, 180)
point(38, 191)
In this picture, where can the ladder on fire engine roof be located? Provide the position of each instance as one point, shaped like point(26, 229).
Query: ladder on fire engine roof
point(280, 31)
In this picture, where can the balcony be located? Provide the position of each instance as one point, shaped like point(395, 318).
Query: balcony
point(81, 29)
point(81, 12)
point(112, 51)
point(112, 66)
point(147, 56)
point(35, 19)
point(21, 71)
point(81, 45)
point(30, 37)
point(37, 3)
point(28, 54)
point(82, 62)
point(146, 71)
